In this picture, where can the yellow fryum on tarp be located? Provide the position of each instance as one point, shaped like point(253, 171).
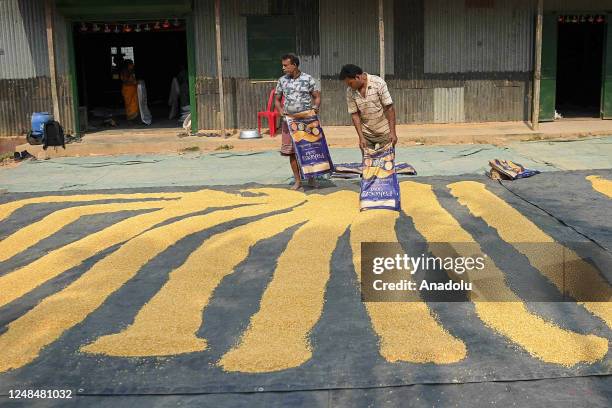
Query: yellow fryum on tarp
point(601, 185)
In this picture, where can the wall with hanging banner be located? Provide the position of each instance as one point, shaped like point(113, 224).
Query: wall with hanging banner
point(130, 26)
point(135, 9)
point(573, 5)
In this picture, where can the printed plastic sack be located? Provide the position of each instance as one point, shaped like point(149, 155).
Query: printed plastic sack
point(348, 170)
point(509, 170)
point(379, 186)
point(405, 169)
point(351, 168)
point(310, 145)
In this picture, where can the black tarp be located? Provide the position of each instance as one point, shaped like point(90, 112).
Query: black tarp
point(345, 347)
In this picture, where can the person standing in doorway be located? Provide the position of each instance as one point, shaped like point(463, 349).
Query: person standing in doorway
point(370, 106)
point(301, 94)
point(129, 89)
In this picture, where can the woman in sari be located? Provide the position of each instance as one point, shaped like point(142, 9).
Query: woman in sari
point(129, 90)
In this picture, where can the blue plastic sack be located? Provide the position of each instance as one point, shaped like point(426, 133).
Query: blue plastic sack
point(349, 170)
point(310, 145)
point(379, 185)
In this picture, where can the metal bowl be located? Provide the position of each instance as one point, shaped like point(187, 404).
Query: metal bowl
point(249, 134)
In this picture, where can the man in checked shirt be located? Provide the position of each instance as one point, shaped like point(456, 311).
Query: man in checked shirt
point(370, 106)
point(301, 94)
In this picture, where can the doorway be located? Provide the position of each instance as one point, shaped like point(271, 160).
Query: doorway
point(158, 51)
point(580, 59)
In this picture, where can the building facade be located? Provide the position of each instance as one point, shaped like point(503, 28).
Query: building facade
point(445, 61)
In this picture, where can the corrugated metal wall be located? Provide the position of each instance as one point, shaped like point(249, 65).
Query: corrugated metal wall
point(24, 67)
point(412, 105)
point(475, 81)
point(204, 23)
point(449, 105)
point(455, 64)
point(243, 97)
point(308, 37)
point(25, 85)
point(234, 35)
point(24, 40)
point(408, 44)
point(503, 98)
point(333, 102)
point(498, 100)
point(444, 62)
point(234, 48)
point(463, 39)
point(442, 100)
point(389, 6)
point(349, 34)
point(495, 81)
point(18, 99)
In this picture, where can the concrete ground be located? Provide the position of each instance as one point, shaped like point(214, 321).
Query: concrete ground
point(268, 167)
point(139, 141)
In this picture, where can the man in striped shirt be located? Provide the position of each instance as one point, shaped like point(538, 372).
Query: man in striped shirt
point(370, 106)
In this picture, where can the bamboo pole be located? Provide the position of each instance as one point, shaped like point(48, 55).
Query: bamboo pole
point(537, 72)
point(381, 37)
point(51, 53)
point(220, 64)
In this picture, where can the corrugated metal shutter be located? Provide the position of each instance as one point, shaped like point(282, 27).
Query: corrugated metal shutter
point(449, 105)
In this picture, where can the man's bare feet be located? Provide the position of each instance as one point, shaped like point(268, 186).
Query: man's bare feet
point(297, 185)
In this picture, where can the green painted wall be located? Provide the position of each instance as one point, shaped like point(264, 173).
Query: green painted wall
point(606, 96)
point(269, 37)
point(548, 81)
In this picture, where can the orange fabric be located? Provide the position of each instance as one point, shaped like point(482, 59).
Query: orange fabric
point(130, 98)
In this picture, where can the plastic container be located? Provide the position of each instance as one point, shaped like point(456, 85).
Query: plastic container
point(38, 122)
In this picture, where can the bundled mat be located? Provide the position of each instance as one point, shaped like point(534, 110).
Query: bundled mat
point(379, 186)
point(310, 144)
point(508, 170)
point(354, 170)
